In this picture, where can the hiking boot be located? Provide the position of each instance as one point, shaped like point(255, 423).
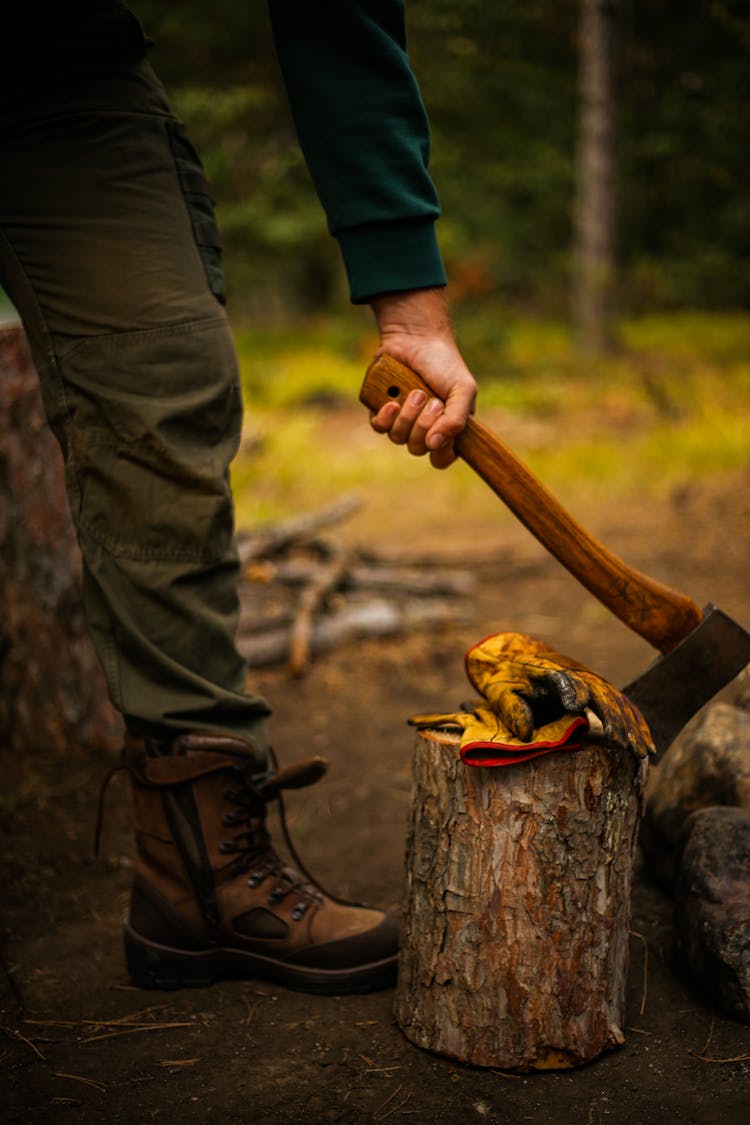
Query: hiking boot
point(211, 896)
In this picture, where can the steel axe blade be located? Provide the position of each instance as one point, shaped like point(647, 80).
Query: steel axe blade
point(676, 686)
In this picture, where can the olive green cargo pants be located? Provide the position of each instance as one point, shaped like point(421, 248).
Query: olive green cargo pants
point(109, 251)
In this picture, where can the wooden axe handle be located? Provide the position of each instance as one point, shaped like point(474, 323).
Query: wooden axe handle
point(660, 615)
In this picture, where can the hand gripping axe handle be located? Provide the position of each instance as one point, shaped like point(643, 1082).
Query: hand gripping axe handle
point(702, 649)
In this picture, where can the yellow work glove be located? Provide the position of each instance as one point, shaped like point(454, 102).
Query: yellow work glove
point(486, 741)
point(535, 700)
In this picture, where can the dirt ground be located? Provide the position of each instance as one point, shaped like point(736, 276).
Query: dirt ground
point(80, 1044)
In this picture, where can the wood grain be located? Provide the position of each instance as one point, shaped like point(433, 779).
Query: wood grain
point(517, 906)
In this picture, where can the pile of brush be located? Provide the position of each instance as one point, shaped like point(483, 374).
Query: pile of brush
point(302, 592)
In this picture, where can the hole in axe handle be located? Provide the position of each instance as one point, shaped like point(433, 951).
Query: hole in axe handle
point(394, 391)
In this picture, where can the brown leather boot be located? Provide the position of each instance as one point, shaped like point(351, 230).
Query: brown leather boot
point(211, 896)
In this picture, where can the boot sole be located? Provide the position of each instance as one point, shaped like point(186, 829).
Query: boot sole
point(151, 965)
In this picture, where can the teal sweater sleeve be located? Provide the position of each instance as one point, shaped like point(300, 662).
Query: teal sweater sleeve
point(364, 133)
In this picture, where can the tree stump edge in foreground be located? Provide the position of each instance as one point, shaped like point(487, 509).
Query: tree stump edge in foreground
point(52, 691)
point(517, 905)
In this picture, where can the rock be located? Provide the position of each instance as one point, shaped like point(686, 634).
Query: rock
point(742, 690)
point(712, 910)
point(708, 765)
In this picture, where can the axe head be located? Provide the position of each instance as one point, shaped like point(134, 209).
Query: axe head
point(677, 685)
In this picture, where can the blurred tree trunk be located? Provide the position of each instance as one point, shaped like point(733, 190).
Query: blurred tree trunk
point(52, 691)
point(596, 204)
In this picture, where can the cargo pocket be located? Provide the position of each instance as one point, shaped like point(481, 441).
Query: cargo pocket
point(200, 206)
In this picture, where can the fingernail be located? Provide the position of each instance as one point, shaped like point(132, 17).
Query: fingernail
point(434, 406)
point(437, 441)
point(416, 398)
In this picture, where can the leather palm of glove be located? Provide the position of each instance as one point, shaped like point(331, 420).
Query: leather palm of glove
point(535, 700)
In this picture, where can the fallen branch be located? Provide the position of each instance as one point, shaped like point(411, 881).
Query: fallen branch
point(262, 542)
point(134, 1030)
point(641, 938)
point(79, 1078)
point(314, 595)
point(707, 1044)
point(290, 560)
point(12, 1034)
point(364, 576)
point(376, 618)
point(720, 1062)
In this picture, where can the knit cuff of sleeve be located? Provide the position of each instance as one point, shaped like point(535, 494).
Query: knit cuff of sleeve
point(391, 258)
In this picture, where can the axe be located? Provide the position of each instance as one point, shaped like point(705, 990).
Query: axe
point(702, 649)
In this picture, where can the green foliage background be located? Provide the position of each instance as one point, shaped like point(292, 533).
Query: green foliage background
point(499, 81)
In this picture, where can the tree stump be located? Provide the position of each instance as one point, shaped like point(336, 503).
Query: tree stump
point(517, 913)
point(52, 692)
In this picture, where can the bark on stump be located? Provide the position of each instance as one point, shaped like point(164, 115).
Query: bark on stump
point(52, 692)
point(517, 913)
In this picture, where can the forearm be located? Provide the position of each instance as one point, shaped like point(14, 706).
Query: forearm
point(364, 133)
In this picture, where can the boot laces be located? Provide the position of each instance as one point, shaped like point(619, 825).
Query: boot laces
point(254, 851)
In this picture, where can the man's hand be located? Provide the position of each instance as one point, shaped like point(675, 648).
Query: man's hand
point(415, 328)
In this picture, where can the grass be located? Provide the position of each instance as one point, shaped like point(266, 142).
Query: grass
point(671, 408)
point(7, 311)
